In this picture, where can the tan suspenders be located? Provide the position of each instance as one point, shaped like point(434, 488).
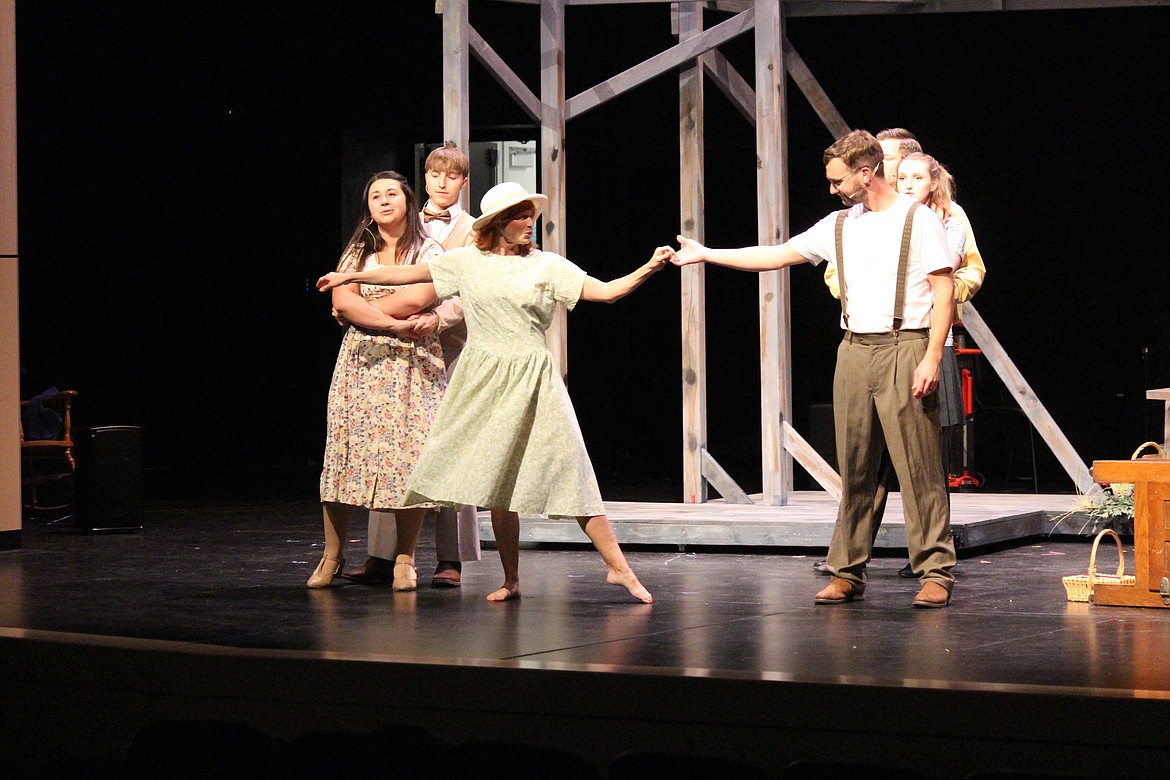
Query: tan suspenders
point(903, 264)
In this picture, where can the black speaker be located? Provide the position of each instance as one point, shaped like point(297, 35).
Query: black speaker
point(109, 478)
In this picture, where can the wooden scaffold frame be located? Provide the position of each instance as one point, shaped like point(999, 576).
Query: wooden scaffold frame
point(696, 57)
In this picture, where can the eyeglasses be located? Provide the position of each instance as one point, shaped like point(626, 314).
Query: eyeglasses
point(836, 183)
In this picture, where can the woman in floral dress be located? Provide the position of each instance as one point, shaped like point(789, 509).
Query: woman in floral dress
point(506, 436)
point(387, 383)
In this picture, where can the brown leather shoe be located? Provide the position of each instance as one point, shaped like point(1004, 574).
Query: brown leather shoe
point(838, 591)
point(932, 596)
point(447, 575)
point(375, 571)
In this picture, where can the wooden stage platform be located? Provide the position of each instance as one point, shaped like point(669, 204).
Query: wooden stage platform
point(977, 520)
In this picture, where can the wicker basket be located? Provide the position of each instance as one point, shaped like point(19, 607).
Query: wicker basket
point(1126, 488)
point(1079, 587)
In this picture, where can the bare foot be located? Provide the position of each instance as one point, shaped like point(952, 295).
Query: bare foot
point(506, 593)
point(630, 582)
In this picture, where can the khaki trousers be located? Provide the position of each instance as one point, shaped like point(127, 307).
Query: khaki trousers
point(874, 410)
point(456, 534)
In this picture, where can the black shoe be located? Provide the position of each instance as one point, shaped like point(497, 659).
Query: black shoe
point(822, 567)
point(907, 572)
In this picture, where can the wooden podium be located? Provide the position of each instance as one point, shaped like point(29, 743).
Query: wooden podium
point(1151, 532)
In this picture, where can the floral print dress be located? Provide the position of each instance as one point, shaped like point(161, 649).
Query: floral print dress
point(384, 395)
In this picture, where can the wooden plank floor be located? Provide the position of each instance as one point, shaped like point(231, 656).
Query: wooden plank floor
point(977, 519)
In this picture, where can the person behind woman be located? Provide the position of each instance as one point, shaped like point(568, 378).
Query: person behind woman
point(507, 437)
point(922, 177)
point(387, 382)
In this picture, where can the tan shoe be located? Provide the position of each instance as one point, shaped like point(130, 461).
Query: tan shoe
point(932, 596)
point(405, 575)
point(326, 571)
point(838, 591)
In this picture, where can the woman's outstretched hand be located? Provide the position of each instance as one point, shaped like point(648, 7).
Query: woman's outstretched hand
point(662, 255)
point(689, 251)
point(331, 280)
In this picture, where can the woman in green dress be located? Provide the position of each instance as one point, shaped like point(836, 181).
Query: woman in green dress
point(506, 436)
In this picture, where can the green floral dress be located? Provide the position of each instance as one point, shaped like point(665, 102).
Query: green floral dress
point(506, 436)
point(383, 398)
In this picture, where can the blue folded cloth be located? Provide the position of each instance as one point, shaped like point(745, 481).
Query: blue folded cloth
point(39, 421)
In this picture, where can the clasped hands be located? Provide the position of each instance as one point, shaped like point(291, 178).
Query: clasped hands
point(415, 326)
point(689, 251)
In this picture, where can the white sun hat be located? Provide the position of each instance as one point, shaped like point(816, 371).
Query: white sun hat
point(504, 196)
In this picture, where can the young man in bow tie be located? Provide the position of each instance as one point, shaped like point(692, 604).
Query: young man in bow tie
point(443, 218)
point(456, 531)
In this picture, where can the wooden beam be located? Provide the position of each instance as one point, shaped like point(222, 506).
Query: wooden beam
point(806, 8)
point(456, 122)
point(722, 481)
point(860, 7)
point(997, 356)
point(10, 483)
point(743, 97)
point(552, 155)
point(811, 89)
point(504, 75)
point(693, 303)
point(659, 64)
point(772, 219)
point(730, 83)
point(817, 467)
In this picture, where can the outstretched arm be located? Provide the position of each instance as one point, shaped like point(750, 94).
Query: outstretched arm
point(748, 258)
point(608, 292)
point(383, 274)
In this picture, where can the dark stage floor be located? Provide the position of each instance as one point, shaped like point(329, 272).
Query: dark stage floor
point(233, 576)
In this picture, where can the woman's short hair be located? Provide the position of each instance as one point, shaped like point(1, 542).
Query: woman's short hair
point(489, 235)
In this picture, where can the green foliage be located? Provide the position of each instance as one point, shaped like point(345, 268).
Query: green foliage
point(1109, 506)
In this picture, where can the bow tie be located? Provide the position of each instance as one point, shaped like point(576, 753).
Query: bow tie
point(442, 216)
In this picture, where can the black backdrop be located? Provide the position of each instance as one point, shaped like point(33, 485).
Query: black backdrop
point(186, 169)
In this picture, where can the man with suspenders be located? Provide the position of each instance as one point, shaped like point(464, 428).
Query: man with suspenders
point(898, 264)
